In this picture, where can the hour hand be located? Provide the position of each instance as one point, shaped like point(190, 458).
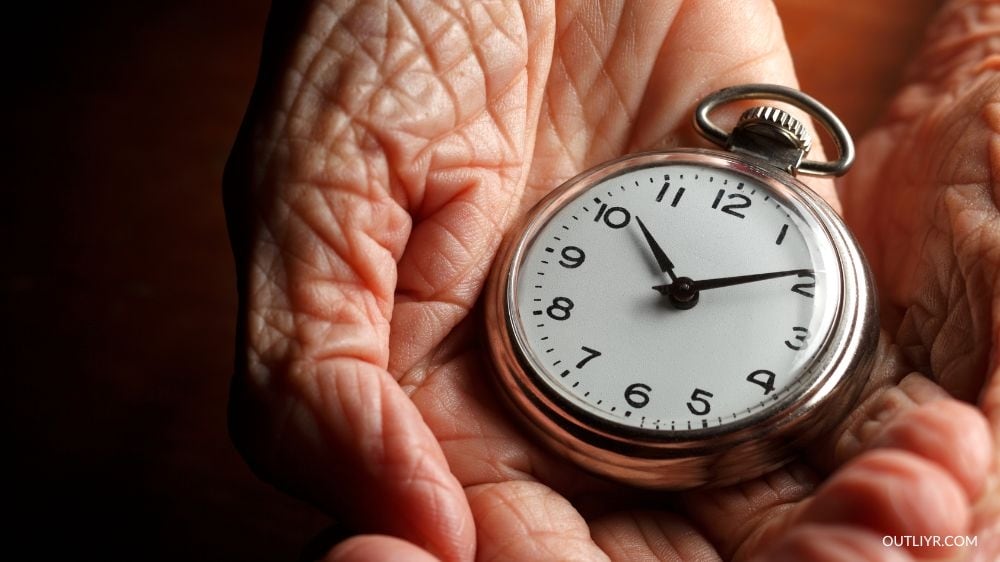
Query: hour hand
point(662, 260)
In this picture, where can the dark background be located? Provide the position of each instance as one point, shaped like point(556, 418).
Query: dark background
point(117, 287)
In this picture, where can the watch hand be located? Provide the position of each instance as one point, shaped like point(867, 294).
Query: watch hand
point(662, 260)
point(729, 281)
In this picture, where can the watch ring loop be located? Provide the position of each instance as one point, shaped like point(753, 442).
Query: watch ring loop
point(825, 117)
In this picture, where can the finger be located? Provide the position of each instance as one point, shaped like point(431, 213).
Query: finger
point(833, 543)
point(951, 434)
point(378, 548)
point(650, 535)
point(895, 494)
point(463, 177)
point(526, 521)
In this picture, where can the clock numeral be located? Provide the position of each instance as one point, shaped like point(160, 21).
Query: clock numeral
point(677, 198)
point(637, 395)
point(663, 192)
point(572, 257)
point(781, 235)
point(763, 379)
point(559, 309)
point(615, 217)
point(591, 354)
point(729, 208)
point(800, 338)
point(804, 288)
point(703, 406)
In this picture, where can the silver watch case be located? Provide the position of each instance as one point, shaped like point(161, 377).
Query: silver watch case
point(708, 457)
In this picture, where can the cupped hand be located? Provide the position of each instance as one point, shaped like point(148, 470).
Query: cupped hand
point(390, 145)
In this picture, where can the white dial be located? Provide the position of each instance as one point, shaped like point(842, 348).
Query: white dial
point(675, 297)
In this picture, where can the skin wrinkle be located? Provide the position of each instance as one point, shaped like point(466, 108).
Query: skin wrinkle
point(962, 277)
point(436, 72)
point(511, 144)
point(586, 86)
point(491, 241)
point(400, 54)
point(347, 388)
point(769, 528)
point(880, 408)
point(440, 265)
point(869, 496)
point(536, 513)
point(497, 504)
point(335, 229)
point(602, 76)
point(829, 543)
point(552, 126)
point(389, 452)
point(970, 457)
point(487, 76)
point(409, 363)
point(552, 122)
point(519, 466)
point(295, 83)
point(648, 536)
point(763, 524)
point(751, 506)
point(647, 92)
point(944, 224)
point(961, 27)
point(627, 125)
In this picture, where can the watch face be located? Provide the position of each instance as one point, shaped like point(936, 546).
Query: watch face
point(675, 297)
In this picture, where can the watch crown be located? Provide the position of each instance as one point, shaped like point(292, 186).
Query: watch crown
point(775, 118)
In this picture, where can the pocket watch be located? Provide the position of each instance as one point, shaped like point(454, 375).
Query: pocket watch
point(689, 317)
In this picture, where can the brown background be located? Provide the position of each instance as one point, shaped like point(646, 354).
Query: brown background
point(117, 284)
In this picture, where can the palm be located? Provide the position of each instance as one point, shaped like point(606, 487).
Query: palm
point(519, 104)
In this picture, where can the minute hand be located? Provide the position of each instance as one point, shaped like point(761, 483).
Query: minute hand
point(738, 280)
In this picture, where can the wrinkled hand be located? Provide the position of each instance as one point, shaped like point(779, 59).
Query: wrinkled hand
point(388, 148)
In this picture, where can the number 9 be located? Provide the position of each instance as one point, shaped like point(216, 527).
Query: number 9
point(573, 257)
